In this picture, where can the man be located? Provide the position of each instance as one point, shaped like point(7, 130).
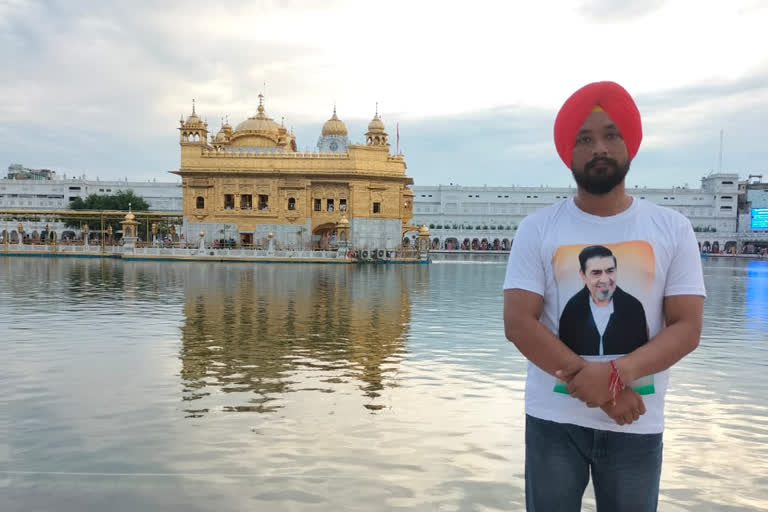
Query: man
point(602, 318)
point(604, 427)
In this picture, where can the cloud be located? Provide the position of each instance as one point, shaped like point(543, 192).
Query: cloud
point(98, 87)
point(617, 11)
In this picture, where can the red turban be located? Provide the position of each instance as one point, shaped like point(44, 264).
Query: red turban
point(614, 100)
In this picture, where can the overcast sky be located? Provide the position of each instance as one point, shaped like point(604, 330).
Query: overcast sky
point(97, 87)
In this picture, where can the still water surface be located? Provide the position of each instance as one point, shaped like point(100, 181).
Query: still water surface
point(193, 386)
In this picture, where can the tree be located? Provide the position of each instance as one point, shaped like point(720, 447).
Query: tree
point(118, 201)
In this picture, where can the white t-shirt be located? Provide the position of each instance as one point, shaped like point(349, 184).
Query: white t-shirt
point(601, 315)
point(656, 255)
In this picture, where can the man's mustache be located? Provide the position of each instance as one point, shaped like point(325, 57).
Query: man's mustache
point(605, 161)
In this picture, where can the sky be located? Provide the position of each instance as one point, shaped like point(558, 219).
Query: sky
point(97, 88)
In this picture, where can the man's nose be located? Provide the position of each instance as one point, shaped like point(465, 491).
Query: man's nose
point(600, 148)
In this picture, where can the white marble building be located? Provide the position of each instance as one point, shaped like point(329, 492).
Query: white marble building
point(56, 193)
point(479, 217)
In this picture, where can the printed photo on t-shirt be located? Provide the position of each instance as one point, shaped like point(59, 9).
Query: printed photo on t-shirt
point(601, 290)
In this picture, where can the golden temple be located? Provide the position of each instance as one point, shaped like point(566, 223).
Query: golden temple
point(245, 183)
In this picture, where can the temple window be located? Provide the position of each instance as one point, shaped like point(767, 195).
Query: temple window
point(229, 201)
point(246, 202)
point(263, 202)
point(330, 205)
point(291, 203)
point(376, 207)
point(318, 205)
point(200, 203)
point(342, 205)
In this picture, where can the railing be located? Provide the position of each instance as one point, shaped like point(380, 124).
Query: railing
point(51, 248)
point(195, 252)
point(231, 253)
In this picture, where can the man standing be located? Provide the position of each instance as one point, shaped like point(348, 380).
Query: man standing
point(605, 427)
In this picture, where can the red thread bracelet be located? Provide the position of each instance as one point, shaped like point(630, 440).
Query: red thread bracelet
point(615, 383)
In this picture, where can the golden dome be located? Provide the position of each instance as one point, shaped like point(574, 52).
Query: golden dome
point(343, 222)
point(193, 117)
point(260, 122)
point(423, 230)
point(376, 124)
point(221, 136)
point(334, 126)
point(129, 216)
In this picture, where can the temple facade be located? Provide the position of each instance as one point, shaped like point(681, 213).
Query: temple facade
point(247, 182)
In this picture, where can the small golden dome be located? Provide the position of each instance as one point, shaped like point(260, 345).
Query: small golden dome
point(334, 126)
point(423, 230)
point(221, 136)
point(130, 215)
point(343, 222)
point(193, 117)
point(376, 124)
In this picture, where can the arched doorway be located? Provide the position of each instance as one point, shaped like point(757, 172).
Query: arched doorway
point(496, 244)
point(323, 236)
point(730, 247)
point(706, 247)
point(451, 244)
point(14, 236)
point(435, 244)
point(505, 245)
point(465, 244)
point(475, 244)
point(716, 247)
point(409, 238)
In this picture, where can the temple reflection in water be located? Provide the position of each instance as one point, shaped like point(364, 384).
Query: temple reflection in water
point(258, 332)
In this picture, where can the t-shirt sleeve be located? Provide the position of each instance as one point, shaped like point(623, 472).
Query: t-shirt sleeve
point(524, 268)
point(685, 275)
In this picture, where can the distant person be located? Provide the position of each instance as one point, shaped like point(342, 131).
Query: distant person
point(602, 318)
point(609, 431)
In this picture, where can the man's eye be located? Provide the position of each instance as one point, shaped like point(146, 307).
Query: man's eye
point(584, 139)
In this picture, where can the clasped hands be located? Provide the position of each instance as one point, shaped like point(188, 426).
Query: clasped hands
point(588, 381)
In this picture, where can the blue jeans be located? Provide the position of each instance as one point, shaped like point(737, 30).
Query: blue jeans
point(626, 468)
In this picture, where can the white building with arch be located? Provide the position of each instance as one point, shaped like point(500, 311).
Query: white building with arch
point(486, 218)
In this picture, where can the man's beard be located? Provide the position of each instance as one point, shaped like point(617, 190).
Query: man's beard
point(605, 294)
point(600, 184)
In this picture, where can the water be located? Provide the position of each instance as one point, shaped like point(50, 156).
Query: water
point(174, 386)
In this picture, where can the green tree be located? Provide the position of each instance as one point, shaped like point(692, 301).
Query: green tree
point(118, 201)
